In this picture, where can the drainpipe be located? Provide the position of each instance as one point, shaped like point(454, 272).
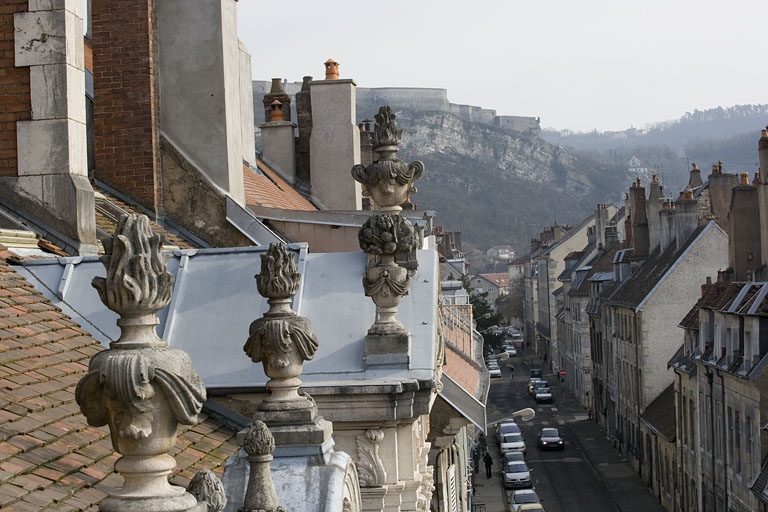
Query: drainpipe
point(725, 438)
point(679, 447)
point(710, 378)
point(638, 330)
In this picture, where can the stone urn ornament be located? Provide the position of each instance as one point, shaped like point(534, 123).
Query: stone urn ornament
point(388, 181)
point(140, 387)
point(281, 340)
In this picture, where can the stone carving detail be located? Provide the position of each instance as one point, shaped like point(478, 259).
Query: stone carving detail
point(206, 487)
point(388, 181)
point(260, 496)
point(281, 340)
point(370, 467)
point(140, 387)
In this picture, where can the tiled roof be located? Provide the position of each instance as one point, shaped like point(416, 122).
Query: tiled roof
point(50, 458)
point(497, 279)
point(264, 187)
point(109, 208)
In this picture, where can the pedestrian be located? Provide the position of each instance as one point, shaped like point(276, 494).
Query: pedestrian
point(476, 458)
point(512, 369)
point(488, 463)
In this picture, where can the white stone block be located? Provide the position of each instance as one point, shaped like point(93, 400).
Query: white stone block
point(40, 38)
point(57, 92)
point(43, 147)
point(31, 186)
point(78, 148)
point(75, 44)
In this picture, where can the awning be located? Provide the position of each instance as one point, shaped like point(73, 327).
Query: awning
point(465, 403)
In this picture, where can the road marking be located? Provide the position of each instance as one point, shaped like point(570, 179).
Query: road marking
point(553, 409)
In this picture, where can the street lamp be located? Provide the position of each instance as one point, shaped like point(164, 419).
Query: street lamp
point(526, 414)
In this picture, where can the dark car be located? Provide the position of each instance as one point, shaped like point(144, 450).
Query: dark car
point(550, 439)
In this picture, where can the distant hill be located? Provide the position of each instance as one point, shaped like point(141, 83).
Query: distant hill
point(500, 180)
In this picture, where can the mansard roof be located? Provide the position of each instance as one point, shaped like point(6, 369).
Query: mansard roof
point(49, 455)
point(644, 279)
point(215, 300)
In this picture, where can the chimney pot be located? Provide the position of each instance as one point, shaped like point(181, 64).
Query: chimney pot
point(276, 114)
point(745, 178)
point(331, 70)
point(694, 166)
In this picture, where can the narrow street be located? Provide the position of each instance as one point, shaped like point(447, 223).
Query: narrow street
point(586, 476)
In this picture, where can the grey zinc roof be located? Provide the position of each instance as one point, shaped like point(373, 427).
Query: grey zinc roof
point(215, 299)
point(646, 278)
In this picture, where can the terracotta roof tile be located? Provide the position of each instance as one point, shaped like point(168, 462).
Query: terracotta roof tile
point(268, 189)
point(50, 458)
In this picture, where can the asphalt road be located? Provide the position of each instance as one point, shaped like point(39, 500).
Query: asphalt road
point(564, 480)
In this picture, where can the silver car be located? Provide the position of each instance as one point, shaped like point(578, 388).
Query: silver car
point(517, 475)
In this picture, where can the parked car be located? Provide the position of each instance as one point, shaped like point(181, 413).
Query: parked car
point(542, 394)
point(506, 427)
point(536, 385)
point(512, 442)
point(495, 372)
point(509, 349)
point(550, 439)
point(537, 373)
point(508, 457)
point(517, 475)
point(523, 497)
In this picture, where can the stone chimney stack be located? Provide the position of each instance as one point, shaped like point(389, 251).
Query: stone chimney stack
point(694, 180)
point(686, 216)
point(601, 225)
point(334, 146)
point(744, 241)
point(168, 67)
point(640, 241)
point(720, 186)
point(653, 207)
point(277, 92)
point(762, 150)
point(667, 225)
point(43, 123)
point(304, 121)
point(278, 143)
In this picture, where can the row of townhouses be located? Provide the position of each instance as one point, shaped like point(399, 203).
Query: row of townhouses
point(654, 315)
point(372, 405)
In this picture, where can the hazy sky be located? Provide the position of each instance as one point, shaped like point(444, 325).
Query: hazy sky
point(577, 64)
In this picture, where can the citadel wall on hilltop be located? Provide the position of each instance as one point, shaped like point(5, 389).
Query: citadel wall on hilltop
point(410, 98)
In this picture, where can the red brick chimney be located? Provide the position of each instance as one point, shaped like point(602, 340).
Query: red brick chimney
point(640, 240)
point(126, 107)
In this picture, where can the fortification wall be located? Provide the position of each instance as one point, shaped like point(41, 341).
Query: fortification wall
point(411, 97)
point(519, 123)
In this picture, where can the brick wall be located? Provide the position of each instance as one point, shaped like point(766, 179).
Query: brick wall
point(15, 103)
point(126, 91)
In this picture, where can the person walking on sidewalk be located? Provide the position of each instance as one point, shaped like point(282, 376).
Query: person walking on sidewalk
point(488, 463)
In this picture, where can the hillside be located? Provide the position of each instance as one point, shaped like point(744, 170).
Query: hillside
point(497, 186)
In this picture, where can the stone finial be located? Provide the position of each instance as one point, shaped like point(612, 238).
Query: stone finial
point(260, 495)
point(281, 339)
point(331, 70)
point(137, 283)
point(388, 180)
point(206, 487)
point(140, 387)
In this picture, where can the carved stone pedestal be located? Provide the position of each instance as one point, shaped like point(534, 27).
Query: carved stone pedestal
point(391, 350)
